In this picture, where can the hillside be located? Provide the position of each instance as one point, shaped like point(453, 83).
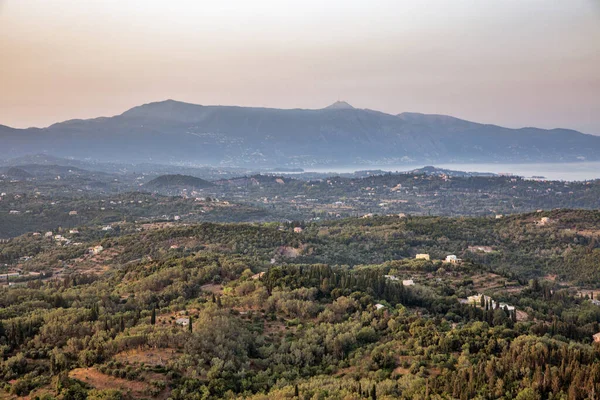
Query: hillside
point(335, 310)
point(16, 173)
point(175, 132)
point(172, 182)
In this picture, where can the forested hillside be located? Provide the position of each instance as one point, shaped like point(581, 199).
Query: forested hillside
point(338, 309)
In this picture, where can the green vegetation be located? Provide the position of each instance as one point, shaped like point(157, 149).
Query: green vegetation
point(260, 311)
point(177, 182)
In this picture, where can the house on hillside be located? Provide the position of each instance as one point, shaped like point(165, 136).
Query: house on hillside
point(379, 306)
point(258, 276)
point(184, 321)
point(596, 337)
point(544, 221)
point(506, 307)
point(452, 259)
point(73, 212)
point(408, 282)
point(391, 277)
point(422, 257)
point(476, 299)
point(96, 250)
point(298, 229)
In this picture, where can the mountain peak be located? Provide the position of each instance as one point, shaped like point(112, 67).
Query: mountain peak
point(339, 105)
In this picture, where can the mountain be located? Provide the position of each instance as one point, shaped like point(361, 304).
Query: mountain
point(339, 105)
point(177, 182)
point(175, 132)
point(16, 173)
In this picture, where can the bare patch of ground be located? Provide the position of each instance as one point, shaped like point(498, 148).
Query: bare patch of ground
point(98, 380)
point(212, 288)
point(148, 356)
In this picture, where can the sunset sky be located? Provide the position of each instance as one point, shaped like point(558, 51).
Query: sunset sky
point(512, 62)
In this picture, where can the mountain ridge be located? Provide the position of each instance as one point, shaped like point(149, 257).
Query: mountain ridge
point(173, 132)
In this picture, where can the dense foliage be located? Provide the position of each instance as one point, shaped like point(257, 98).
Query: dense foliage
point(261, 311)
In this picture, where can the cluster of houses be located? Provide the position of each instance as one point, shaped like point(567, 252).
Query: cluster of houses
point(451, 259)
point(479, 299)
point(405, 282)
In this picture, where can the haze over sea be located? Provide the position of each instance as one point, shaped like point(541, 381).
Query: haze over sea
point(555, 171)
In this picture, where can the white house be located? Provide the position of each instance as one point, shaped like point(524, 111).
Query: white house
point(379, 306)
point(422, 257)
point(452, 259)
point(507, 307)
point(408, 282)
point(391, 277)
point(476, 300)
point(182, 321)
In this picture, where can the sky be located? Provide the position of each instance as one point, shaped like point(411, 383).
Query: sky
point(512, 62)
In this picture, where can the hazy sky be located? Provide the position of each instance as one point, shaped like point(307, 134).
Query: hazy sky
point(511, 62)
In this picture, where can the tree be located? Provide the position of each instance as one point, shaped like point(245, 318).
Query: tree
point(153, 317)
point(190, 325)
point(373, 393)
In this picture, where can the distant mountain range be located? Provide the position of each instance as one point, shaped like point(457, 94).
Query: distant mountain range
point(188, 134)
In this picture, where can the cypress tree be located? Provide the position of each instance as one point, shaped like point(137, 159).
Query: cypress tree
point(153, 317)
point(190, 325)
point(296, 391)
point(94, 313)
point(373, 393)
